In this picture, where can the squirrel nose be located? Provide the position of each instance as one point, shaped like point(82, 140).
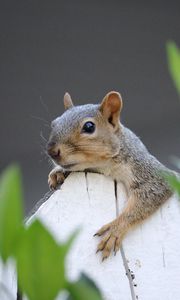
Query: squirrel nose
point(53, 151)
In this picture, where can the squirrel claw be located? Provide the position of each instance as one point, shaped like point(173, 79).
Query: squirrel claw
point(96, 234)
point(55, 178)
point(52, 188)
point(111, 241)
point(103, 230)
point(104, 258)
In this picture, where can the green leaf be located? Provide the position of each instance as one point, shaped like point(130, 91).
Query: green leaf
point(40, 263)
point(173, 181)
point(173, 55)
point(84, 288)
point(10, 210)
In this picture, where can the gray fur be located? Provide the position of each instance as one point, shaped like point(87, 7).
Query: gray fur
point(143, 171)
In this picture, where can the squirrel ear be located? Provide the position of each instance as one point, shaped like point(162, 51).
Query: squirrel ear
point(67, 101)
point(111, 107)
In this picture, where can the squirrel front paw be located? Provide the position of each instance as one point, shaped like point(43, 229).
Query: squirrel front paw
point(56, 177)
point(112, 239)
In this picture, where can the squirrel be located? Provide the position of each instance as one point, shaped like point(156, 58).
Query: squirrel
point(91, 137)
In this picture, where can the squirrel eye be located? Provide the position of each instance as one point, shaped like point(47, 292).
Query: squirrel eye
point(88, 127)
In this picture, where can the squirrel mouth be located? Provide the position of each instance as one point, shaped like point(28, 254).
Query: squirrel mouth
point(68, 166)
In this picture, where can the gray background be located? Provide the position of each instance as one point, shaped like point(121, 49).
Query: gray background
point(86, 48)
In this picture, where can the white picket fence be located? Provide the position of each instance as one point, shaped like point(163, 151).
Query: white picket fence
point(148, 265)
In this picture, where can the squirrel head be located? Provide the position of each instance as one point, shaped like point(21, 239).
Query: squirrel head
point(86, 136)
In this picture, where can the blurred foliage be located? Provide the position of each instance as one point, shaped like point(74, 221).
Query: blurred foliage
point(40, 260)
point(173, 55)
point(10, 210)
point(79, 291)
point(174, 182)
